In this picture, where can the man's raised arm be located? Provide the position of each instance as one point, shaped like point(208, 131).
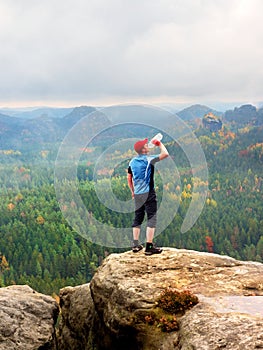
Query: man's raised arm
point(164, 153)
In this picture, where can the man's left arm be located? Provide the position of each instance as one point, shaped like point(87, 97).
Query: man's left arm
point(130, 183)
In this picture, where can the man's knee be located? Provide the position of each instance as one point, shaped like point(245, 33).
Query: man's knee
point(138, 220)
point(152, 220)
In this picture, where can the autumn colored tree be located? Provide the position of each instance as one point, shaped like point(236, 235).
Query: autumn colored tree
point(209, 244)
point(3, 264)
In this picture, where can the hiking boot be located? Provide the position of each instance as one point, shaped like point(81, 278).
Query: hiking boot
point(152, 249)
point(137, 248)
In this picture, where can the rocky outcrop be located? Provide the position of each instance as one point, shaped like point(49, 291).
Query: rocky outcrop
point(113, 311)
point(243, 115)
point(27, 319)
point(119, 308)
point(212, 122)
point(77, 318)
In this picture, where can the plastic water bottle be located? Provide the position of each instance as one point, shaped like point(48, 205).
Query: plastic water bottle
point(158, 137)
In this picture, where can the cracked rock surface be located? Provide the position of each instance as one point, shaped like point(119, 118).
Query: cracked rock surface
point(27, 319)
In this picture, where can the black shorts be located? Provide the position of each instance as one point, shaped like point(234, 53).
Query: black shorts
point(145, 203)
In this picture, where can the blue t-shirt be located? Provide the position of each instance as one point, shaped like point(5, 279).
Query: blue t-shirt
point(142, 170)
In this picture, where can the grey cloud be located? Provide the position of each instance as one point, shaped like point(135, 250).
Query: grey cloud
point(87, 49)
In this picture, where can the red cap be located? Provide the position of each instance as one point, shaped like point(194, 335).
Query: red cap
point(138, 146)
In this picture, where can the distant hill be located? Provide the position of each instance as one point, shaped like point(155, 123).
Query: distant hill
point(259, 120)
point(30, 132)
point(75, 115)
point(10, 130)
point(50, 112)
point(197, 111)
point(245, 115)
point(42, 126)
point(7, 122)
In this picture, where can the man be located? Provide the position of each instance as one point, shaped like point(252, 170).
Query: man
point(140, 179)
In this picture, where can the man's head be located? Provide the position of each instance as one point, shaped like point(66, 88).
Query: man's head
point(141, 147)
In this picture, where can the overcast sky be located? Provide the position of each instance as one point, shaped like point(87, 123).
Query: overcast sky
point(69, 52)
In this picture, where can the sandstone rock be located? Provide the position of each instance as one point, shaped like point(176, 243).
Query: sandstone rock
point(206, 328)
point(111, 312)
point(27, 319)
point(77, 318)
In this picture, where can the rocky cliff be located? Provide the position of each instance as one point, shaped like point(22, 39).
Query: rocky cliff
point(27, 319)
point(119, 309)
point(124, 306)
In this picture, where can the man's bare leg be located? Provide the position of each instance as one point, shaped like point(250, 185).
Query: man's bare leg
point(136, 234)
point(150, 234)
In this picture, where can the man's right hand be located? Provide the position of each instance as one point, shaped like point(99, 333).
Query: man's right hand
point(156, 142)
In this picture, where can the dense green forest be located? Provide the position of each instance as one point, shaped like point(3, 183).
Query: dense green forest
point(39, 248)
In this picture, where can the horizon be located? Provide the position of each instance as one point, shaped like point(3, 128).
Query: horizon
point(220, 105)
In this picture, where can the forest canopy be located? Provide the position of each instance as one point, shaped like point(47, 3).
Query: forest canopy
point(38, 247)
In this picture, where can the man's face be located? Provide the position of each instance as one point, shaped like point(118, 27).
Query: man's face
point(145, 149)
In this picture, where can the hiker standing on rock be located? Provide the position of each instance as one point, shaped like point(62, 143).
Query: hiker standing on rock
point(140, 179)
